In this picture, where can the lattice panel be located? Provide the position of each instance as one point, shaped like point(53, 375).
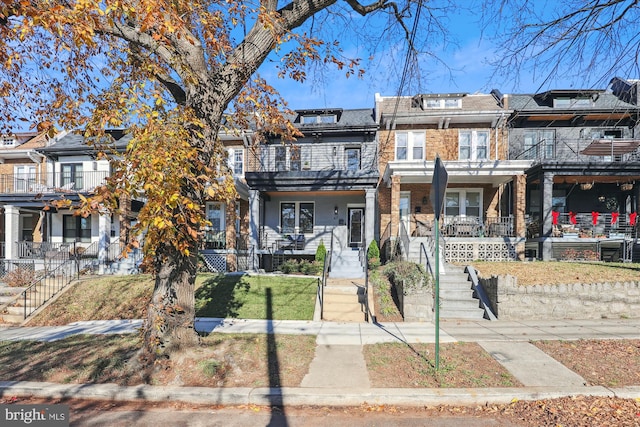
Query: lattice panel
point(243, 261)
point(216, 263)
point(471, 251)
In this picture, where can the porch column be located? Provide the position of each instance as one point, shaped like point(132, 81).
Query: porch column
point(546, 221)
point(104, 239)
point(519, 203)
point(254, 228)
point(11, 231)
point(395, 207)
point(369, 216)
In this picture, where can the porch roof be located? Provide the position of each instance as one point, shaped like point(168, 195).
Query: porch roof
point(311, 180)
point(474, 172)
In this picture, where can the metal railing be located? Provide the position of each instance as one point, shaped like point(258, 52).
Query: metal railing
point(51, 182)
point(426, 263)
point(570, 149)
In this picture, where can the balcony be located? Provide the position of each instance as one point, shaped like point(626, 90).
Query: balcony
point(581, 150)
point(51, 183)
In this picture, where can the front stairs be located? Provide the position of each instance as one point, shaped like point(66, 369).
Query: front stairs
point(457, 297)
point(344, 300)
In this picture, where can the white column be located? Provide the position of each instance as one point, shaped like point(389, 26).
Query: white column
point(104, 236)
point(254, 227)
point(11, 231)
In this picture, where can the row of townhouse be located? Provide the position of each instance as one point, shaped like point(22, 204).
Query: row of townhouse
point(552, 175)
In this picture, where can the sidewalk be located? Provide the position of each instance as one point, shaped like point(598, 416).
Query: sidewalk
point(338, 376)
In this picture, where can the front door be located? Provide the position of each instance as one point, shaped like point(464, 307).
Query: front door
point(404, 209)
point(356, 226)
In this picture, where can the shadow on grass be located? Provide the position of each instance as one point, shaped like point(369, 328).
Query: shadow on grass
point(220, 295)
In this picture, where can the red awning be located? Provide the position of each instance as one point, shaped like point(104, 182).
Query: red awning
point(610, 147)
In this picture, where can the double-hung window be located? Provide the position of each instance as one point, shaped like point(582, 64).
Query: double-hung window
point(410, 145)
point(539, 144)
point(296, 217)
point(236, 161)
point(473, 145)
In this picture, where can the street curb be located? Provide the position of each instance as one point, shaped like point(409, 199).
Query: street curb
point(293, 396)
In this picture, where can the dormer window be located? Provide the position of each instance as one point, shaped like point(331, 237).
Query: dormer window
point(442, 103)
point(566, 102)
point(318, 119)
point(8, 141)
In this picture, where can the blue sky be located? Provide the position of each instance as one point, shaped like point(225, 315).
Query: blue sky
point(468, 59)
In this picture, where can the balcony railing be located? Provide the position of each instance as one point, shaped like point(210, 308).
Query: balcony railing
point(53, 182)
point(575, 150)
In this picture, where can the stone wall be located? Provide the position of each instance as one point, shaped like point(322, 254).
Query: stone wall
point(416, 305)
point(578, 301)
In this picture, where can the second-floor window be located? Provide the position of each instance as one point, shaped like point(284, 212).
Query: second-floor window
point(292, 158)
point(236, 161)
point(539, 144)
point(410, 145)
point(71, 175)
point(473, 145)
point(25, 178)
point(281, 158)
point(352, 159)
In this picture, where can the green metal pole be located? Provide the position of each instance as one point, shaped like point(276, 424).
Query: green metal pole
point(437, 296)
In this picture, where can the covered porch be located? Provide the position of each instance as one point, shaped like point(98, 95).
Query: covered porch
point(570, 201)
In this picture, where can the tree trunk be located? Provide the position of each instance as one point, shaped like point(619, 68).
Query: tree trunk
point(169, 325)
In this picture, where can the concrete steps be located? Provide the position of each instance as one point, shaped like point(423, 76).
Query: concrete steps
point(343, 301)
point(457, 299)
point(345, 264)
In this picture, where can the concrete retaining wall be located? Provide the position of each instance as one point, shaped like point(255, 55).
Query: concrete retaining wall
point(416, 305)
point(578, 301)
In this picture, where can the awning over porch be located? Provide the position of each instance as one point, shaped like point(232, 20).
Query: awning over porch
point(610, 147)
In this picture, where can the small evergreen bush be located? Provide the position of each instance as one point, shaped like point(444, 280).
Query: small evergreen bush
point(321, 253)
point(373, 255)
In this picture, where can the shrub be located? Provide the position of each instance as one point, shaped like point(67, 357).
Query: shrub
point(373, 255)
point(20, 277)
point(321, 253)
point(310, 268)
point(290, 266)
point(412, 275)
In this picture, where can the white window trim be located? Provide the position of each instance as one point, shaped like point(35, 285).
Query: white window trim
point(223, 215)
point(473, 155)
point(463, 196)
point(411, 137)
point(441, 103)
point(296, 226)
point(232, 160)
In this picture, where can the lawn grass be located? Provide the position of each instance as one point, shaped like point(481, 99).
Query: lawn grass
point(558, 272)
point(237, 296)
point(221, 360)
point(257, 297)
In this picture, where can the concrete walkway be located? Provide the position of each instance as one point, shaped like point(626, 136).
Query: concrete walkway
point(338, 375)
